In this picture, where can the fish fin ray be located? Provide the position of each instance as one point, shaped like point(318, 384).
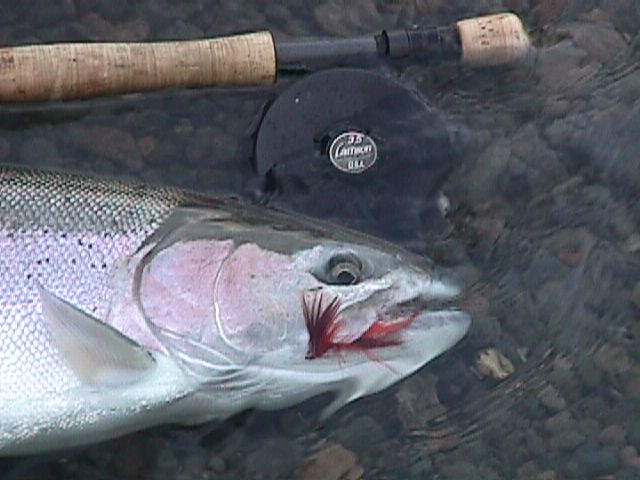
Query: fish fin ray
point(211, 367)
point(344, 395)
point(96, 352)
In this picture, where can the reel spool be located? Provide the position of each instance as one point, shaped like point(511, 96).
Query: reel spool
point(354, 144)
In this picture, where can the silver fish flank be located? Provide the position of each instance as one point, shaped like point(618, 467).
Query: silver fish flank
point(125, 306)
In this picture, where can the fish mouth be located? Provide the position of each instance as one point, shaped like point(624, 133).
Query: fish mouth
point(418, 305)
point(419, 317)
point(428, 304)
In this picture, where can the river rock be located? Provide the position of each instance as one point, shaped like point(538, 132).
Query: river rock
point(418, 401)
point(551, 398)
point(612, 360)
point(566, 440)
point(274, 458)
point(5, 149)
point(632, 384)
point(590, 461)
point(547, 475)
point(600, 40)
point(460, 470)
point(612, 435)
point(362, 430)
point(629, 457)
point(546, 11)
point(107, 142)
point(344, 17)
point(39, 151)
point(334, 462)
point(535, 443)
point(559, 422)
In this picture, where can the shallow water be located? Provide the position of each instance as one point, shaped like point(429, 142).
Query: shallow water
point(543, 224)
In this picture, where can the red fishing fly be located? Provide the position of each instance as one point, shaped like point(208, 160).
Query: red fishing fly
point(324, 324)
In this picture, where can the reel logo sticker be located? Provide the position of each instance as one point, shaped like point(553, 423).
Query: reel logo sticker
point(353, 152)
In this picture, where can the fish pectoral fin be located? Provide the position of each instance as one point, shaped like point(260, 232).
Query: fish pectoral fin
point(96, 352)
point(339, 401)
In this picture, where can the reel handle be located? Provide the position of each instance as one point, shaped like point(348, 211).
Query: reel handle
point(67, 71)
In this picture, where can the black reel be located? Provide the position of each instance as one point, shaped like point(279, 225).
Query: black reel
point(353, 144)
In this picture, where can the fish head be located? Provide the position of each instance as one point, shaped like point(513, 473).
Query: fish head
point(276, 311)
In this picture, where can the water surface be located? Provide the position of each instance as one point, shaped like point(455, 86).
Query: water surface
point(543, 223)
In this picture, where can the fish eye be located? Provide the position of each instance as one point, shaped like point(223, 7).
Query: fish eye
point(344, 269)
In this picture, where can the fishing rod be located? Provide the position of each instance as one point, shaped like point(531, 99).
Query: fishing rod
point(67, 71)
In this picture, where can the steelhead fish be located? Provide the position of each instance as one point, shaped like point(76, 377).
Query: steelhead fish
point(127, 306)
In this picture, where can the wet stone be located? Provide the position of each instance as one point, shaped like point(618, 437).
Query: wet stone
point(566, 440)
point(146, 145)
point(632, 384)
point(589, 427)
point(535, 443)
point(39, 151)
point(418, 401)
point(428, 7)
point(589, 374)
point(107, 142)
point(556, 107)
point(612, 435)
point(560, 67)
point(492, 363)
point(546, 11)
point(590, 461)
point(527, 471)
point(600, 40)
point(547, 475)
point(217, 464)
point(94, 27)
point(421, 465)
point(484, 330)
point(363, 430)
point(633, 433)
point(565, 381)
point(47, 12)
point(612, 360)
point(559, 423)
point(334, 462)
point(129, 462)
point(112, 10)
point(167, 462)
point(551, 398)
point(269, 462)
point(5, 148)
point(627, 474)
point(491, 163)
point(344, 18)
point(460, 470)
point(181, 31)
point(629, 457)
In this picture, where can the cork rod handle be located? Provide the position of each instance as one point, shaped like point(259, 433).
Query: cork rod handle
point(491, 40)
point(68, 71)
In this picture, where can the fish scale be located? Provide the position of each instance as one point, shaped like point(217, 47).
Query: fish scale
point(53, 232)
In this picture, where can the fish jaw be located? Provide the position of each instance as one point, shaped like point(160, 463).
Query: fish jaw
point(291, 380)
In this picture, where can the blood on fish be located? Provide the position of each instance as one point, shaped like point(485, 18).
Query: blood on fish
point(324, 324)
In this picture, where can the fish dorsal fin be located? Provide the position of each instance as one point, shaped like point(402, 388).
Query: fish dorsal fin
point(96, 352)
